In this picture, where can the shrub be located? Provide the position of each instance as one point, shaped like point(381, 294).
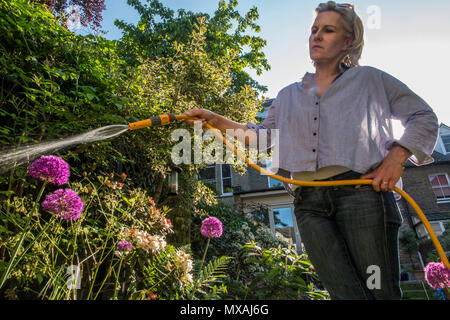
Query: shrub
point(37, 256)
point(262, 266)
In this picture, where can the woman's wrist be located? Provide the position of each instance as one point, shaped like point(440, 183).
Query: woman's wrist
point(400, 154)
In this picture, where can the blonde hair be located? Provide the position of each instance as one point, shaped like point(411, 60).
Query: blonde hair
point(353, 27)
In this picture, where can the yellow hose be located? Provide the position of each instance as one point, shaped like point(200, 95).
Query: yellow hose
point(165, 119)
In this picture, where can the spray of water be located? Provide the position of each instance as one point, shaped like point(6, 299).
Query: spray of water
point(18, 156)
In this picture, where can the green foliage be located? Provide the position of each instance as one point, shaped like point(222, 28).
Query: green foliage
point(280, 273)
point(262, 266)
point(113, 212)
point(428, 250)
point(410, 241)
point(159, 32)
point(54, 84)
point(209, 284)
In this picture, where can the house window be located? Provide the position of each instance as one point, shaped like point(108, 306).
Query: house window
point(437, 226)
point(282, 225)
point(207, 176)
point(273, 183)
point(226, 180)
point(446, 142)
point(441, 187)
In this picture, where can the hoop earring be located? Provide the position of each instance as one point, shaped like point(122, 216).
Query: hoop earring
point(347, 60)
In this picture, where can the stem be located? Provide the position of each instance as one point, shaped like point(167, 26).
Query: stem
point(106, 277)
point(22, 238)
point(117, 278)
point(98, 266)
point(162, 279)
point(424, 289)
point(201, 265)
point(204, 254)
point(31, 244)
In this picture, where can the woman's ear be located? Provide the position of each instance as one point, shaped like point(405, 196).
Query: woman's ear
point(348, 42)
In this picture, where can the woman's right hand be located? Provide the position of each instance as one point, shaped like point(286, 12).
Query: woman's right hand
point(204, 115)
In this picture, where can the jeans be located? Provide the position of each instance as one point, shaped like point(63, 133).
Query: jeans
point(351, 237)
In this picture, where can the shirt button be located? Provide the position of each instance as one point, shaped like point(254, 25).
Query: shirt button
point(317, 103)
point(314, 150)
point(315, 118)
point(314, 134)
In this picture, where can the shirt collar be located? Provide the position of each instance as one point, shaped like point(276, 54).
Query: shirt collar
point(342, 68)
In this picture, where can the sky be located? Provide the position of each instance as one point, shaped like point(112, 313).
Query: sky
point(408, 39)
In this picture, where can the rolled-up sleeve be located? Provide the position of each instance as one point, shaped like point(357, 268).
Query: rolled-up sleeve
point(420, 122)
point(268, 123)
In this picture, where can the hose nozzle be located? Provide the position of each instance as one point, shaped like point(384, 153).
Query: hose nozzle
point(162, 119)
point(153, 121)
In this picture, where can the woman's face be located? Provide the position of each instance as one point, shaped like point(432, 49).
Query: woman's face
point(327, 41)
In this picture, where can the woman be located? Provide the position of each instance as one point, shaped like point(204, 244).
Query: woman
point(336, 125)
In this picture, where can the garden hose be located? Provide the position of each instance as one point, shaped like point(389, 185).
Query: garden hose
point(170, 117)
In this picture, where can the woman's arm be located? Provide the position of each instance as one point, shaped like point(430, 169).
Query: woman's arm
point(417, 117)
point(220, 122)
point(419, 138)
point(390, 170)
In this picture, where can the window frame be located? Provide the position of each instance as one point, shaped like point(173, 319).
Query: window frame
point(267, 167)
point(222, 178)
point(439, 200)
point(447, 151)
point(423, 232)
point(298, 239)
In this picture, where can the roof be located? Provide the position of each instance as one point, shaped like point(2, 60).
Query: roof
point(443, 124)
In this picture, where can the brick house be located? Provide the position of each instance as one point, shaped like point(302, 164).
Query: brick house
point(428, 185)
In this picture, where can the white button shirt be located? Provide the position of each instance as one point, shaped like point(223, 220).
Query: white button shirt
point(350, 125)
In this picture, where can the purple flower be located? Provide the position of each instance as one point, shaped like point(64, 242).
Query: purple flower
point(65, 203)
point(124, 246)
point(211, 228)
point(437, 275)
point(51, 169)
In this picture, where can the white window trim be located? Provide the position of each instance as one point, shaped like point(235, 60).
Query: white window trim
point(441, 141)
point(224, 194)
point(444, 200)
point(441, 224)
point(298, 239)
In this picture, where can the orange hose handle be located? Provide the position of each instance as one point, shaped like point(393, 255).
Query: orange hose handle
point(168, 118)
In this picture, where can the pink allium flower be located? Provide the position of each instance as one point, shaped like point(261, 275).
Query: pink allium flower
point(65, 203)
point(124, 246)
point(211, 228)
point(437, 275)
point(51, 169)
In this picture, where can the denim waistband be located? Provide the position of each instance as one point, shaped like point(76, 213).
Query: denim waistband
point(349, 175)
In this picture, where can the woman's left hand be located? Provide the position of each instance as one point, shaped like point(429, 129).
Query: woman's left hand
point(389, 172)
